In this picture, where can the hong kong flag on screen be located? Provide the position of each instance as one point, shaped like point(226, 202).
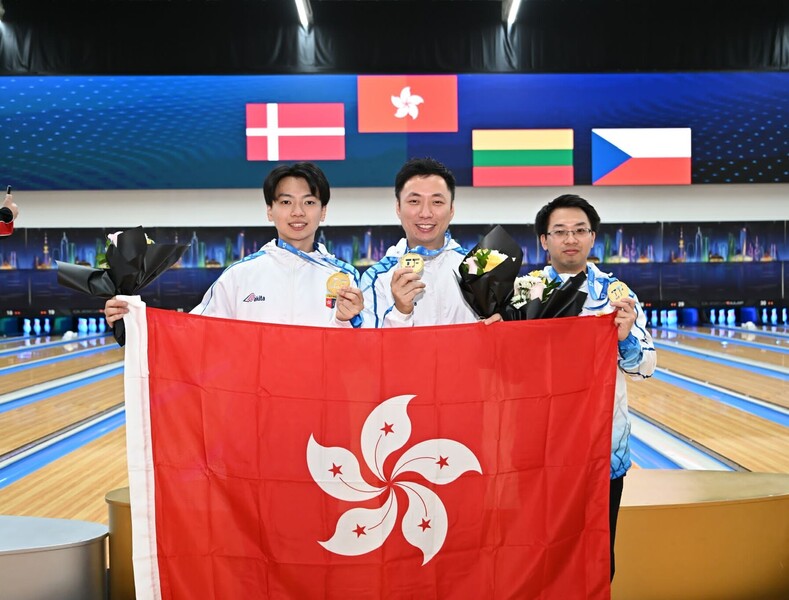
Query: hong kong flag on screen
point(272, 461)
point(296, 131)
point(407, 103)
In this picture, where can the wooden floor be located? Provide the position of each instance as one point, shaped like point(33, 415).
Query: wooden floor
point(771, 350)
point(71, 487)
point(28, 423)
point(74, 485)
point(76, 361)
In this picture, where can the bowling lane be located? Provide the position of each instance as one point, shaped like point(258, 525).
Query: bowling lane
point(19, 341)
point(32, 353)
point(32, 341)
point(73, 486)
point(728, 346)
point(17, 380)
point(33, 421)
point(758, 335)
point(752, 442)
point(740, 380)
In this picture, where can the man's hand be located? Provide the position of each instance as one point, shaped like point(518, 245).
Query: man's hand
point(493, 319)
point(114, 310)
point(350, 303)
point(406, 285)
point(625, 317)
point(11, 205)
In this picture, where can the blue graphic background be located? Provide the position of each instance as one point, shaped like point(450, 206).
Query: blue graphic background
point(703, 264)
point(187, 132)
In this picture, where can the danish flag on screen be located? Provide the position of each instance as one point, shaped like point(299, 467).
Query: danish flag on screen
point(407, 103)
point(296, 131)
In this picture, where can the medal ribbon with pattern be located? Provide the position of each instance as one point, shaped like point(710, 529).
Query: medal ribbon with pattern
point(336, 281)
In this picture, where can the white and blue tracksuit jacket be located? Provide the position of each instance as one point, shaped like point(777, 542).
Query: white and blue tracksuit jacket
point(441, 302)
point(637, 359)
point(279, 284)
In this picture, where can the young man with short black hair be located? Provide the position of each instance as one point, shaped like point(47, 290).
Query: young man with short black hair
point(292, 279)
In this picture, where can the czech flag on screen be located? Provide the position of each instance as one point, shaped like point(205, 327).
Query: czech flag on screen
point(641, 156)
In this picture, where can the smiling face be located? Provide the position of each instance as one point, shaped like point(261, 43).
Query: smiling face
point(568, 255)
point(296, 213)
point(425, 209)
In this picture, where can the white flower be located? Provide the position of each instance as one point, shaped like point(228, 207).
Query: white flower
point(529, 287)
point(471, 262)
point(407, 104)
point(536, 290)
point(386, 430)
point(113, 237)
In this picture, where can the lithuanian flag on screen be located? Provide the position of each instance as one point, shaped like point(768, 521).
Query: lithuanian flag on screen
point(522, 157)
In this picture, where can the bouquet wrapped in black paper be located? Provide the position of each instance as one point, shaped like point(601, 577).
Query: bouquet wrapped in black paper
point(487, 273)
point(131, 262)
point(535, 297)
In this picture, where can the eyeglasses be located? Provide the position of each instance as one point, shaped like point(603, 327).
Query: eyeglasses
point(580, 233)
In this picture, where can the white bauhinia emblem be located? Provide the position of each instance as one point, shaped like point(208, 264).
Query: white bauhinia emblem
point(407, 103)
point(386, 430)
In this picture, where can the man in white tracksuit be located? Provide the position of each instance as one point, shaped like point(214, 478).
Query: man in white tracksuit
point(566, 228)
point(289, 280)
point(396, 296)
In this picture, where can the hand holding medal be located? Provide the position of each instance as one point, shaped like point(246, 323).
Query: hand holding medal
point(619, 297)
point(339, 293)
point(334, 284)
point(617, 291)
point(412, 261)
point(406, 282)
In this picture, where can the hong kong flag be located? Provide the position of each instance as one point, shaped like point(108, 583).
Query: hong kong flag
point(296, 131)
point(407, 103)
point(273, 461)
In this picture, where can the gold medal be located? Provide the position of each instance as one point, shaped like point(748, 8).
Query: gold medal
point(618, 290)
point(412, 261)
point(336, 282)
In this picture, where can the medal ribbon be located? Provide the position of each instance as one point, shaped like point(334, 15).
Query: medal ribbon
point(356, 321)
point(590, 280)
point(425, 251)
point(303, 255)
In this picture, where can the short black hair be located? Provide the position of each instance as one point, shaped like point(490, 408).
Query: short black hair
point(424, 167)
point(307, 171)
point(565, 201)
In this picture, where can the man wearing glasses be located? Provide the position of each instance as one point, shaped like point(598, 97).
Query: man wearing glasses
point(566, 227)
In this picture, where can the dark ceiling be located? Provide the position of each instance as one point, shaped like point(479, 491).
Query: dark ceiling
point(386, 36)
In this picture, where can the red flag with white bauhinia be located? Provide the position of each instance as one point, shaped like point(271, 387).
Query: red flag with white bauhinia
point(407, 103)
point(274, 461)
